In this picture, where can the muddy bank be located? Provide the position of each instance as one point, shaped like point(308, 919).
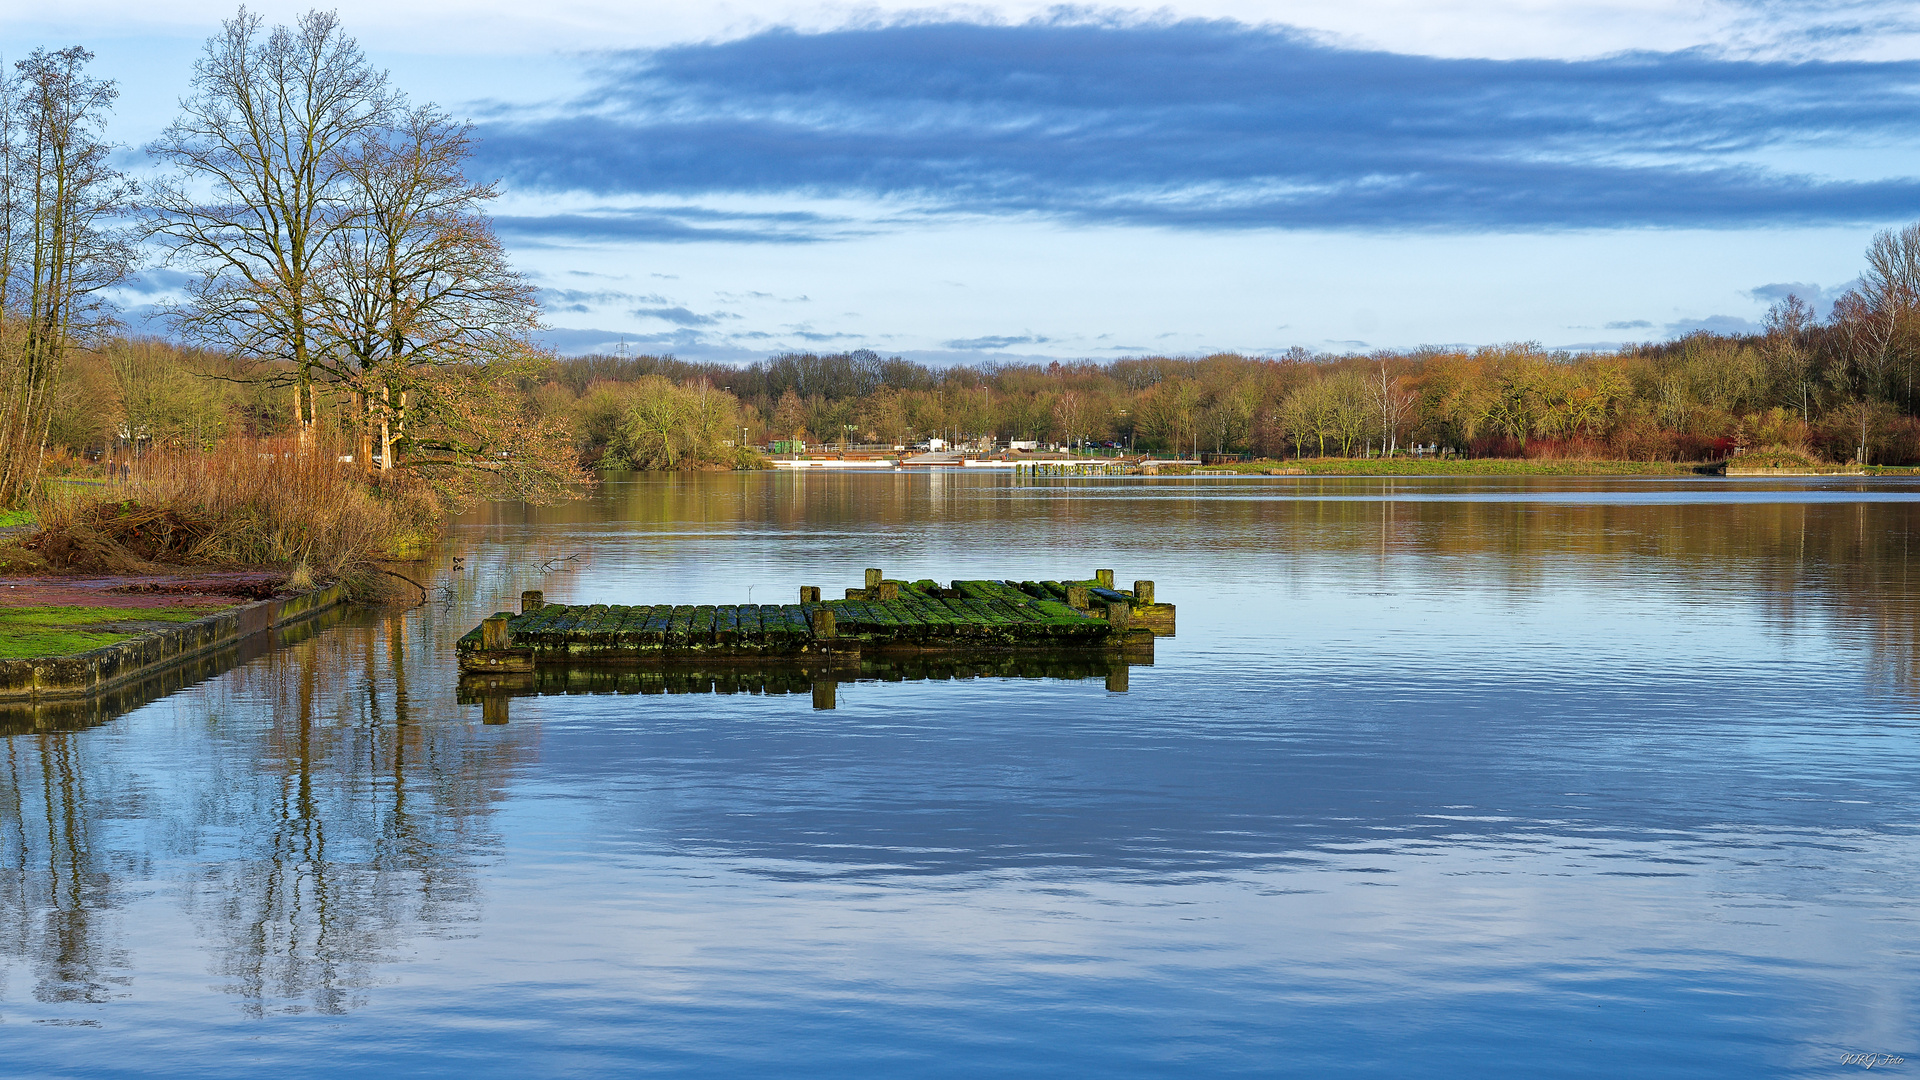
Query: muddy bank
point(201, 589)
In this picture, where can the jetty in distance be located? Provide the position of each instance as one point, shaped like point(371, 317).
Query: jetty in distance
point(882, 617)
point(1042, 463)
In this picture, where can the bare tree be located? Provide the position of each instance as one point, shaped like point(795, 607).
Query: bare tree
point(1787, 323)
point(58, 197)
point(414, 276)
point(1312, 411)
point(1350, 408)
point(1891, 287)
point(261, 184)
point(1394, 404)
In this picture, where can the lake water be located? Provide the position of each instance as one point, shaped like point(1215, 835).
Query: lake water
point(1440, 778)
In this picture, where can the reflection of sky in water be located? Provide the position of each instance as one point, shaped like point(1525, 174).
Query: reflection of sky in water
point(1616, 778)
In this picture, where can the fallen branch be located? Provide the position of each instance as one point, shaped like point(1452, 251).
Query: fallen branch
point(410, 581)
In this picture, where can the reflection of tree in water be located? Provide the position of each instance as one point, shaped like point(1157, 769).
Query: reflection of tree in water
point(57, 895)
point(358, 823)
point(325, 815)
point(1839, 567)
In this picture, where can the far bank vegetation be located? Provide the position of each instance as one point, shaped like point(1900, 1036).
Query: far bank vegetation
point(1836, 389)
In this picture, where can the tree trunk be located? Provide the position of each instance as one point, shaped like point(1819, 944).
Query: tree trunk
point(363, 401)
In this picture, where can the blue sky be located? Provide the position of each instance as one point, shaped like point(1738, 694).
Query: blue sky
point(728, 181)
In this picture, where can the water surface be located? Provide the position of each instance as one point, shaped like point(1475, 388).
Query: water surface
point(1441, 777)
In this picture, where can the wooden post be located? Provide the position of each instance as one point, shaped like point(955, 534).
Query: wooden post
point(824, 691)
point(494, 635)
point(1143, 592)
point(1117, 615)
point(1117, 680)
point(809, 594)
point(532, 600)
point(886, 590)
point(1077, 597)
point(856, 594)
point(493, 709)
point(822, 621)
point(1103, 578)
point(873, 578)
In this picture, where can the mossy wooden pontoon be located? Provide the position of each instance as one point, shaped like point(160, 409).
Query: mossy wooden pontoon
point(886, 616)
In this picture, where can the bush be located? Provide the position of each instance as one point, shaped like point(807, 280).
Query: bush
point(667, 426)
point(1780, 457)
point(249, 502)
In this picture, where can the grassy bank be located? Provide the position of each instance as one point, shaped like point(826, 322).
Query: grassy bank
point(62, 630)
point(1406, 466)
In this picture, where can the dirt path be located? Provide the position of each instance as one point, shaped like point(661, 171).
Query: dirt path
point(142, 590)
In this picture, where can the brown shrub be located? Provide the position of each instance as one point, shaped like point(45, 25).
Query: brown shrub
point(249, 502)
point(116, 537)
point(1575, 449)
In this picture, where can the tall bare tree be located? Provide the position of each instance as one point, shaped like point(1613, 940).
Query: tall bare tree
point(1891, 286)
point(1070, 416)
point(1393, 403)
point(414, 276)
point(59, 195)
point(261, 183)
point(1787, 322)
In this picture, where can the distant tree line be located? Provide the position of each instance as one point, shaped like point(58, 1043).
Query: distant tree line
point(1842, 387)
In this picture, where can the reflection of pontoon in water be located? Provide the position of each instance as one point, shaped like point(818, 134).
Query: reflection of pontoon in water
point(887, 619)
point(820, 676)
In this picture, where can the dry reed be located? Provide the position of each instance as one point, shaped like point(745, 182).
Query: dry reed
point(248, 502)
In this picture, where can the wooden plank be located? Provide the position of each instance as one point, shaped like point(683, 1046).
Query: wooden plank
point(982, 612)
point(681, 625)
point(795, 616)
point(653, 628)
point(633, 625)
point(563, 627)
point(932, 613)
point(902, 615)
point(1017, 612)
point(973, 590)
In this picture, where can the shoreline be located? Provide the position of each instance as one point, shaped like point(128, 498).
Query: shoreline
point(1516, 467)
point(1408, 466)
point(84, 675)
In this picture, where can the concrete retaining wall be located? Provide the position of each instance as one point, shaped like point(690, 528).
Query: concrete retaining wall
point(55, 678)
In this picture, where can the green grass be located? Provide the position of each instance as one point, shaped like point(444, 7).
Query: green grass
point(10, 518)
point(29, 644)
point(1404, 466)
point(60, 630)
